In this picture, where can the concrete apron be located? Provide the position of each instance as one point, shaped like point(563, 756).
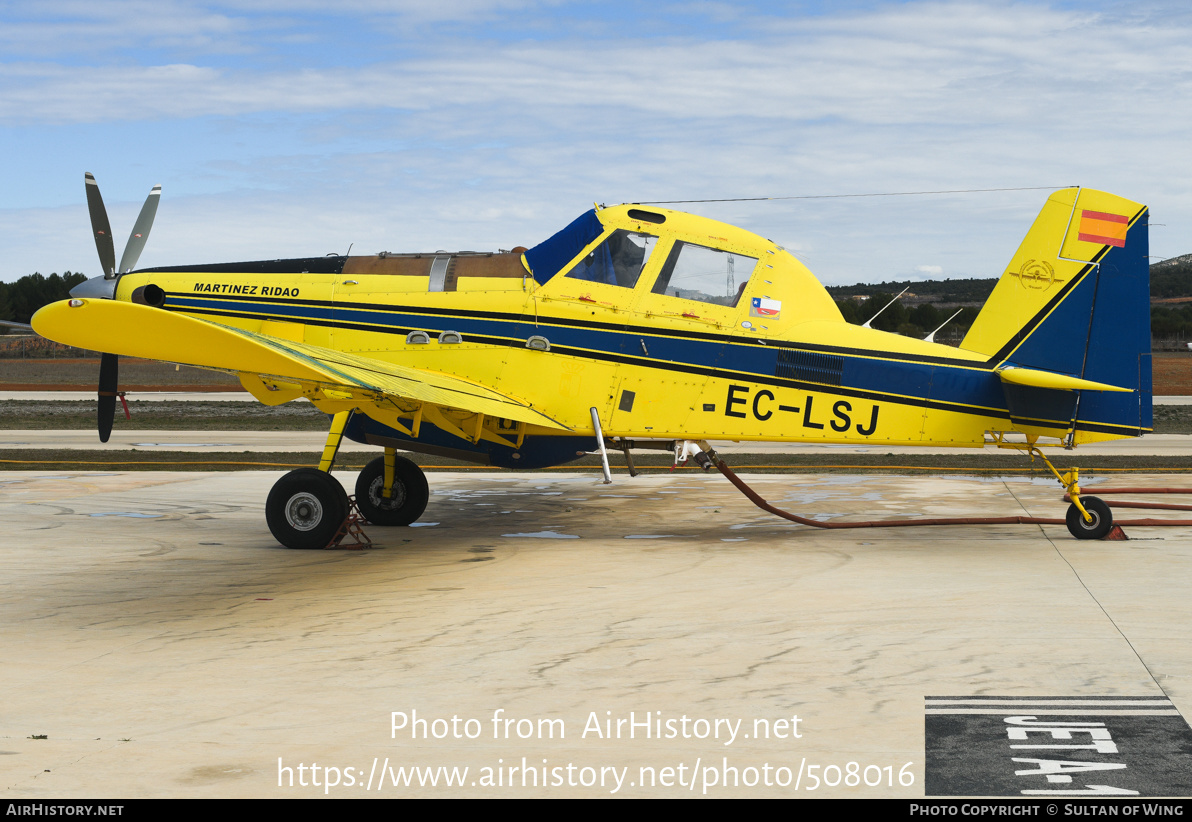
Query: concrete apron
point(165, 645)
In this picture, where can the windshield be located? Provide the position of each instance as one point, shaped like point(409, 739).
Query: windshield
point(618, 260)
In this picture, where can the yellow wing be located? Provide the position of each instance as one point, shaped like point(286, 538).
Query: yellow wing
point(276, 371)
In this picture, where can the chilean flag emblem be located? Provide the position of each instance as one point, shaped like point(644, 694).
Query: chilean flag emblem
point(761, 307)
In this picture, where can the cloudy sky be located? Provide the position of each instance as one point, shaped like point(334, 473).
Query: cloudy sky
point(278, 128)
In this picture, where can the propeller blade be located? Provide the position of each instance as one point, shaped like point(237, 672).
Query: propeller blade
point(109, 368)
point(100, 227)
point(140, 231)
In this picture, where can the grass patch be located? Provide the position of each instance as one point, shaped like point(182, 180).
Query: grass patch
point(80, 415)
point(1173, 419)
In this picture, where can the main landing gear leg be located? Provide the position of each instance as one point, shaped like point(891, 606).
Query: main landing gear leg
point(391, 490)
point(306, 507)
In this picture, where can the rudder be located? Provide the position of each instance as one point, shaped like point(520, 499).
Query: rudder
point(1075, 300)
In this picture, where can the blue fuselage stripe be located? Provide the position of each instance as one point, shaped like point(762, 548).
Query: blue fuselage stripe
point(974, 389)
point(977, 388)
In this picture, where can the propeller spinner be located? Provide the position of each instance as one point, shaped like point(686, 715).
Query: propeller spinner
point(105, 286)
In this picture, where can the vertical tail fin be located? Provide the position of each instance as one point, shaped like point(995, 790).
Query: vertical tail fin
point(1075, 300)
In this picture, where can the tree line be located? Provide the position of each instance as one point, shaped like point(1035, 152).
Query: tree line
point(917, 321)
point(1169, 279)
point(1170, 323)
point(20, 300)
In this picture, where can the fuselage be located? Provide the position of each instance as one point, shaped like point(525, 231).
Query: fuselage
point(672, 326)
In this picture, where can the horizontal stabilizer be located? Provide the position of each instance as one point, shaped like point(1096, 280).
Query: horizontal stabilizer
point(1048, 379)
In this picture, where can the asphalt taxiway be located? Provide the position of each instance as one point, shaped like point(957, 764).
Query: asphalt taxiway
point(157, 642)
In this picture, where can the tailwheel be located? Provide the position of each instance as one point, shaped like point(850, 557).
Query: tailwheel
point(305, 508)
point(407, 501)
point(1102, 519)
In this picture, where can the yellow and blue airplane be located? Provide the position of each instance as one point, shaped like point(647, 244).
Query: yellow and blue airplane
point(633, 323)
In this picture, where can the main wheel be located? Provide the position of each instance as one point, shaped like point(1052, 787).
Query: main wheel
point(1098, 510)
point(410, 493)
point(305, 508)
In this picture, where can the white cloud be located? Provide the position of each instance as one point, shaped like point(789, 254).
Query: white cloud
point(467, 142)
point(920, 64)
point(125, 28)
point(75, 29)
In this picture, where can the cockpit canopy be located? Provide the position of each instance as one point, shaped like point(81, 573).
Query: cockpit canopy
point(550, 256)
point(691, 271)
point(670, 258)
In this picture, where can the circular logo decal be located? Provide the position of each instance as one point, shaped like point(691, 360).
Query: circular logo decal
point(1036, 274)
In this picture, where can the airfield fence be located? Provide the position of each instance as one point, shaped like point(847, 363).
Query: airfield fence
point(33, 347)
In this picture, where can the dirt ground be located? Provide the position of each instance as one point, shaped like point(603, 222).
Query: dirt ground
point(1172, 373)
point(83, 375)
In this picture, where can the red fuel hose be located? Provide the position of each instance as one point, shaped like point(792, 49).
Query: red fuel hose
point(897, 523)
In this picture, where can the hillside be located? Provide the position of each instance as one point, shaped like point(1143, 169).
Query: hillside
point(930, 302)
point(940, 292)
point(1172, 278)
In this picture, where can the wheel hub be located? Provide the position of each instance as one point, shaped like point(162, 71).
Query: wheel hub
point(375, 495)
point(304, 511)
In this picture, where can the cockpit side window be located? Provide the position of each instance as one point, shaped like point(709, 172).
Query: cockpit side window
point(618, 260)
point(707, 275)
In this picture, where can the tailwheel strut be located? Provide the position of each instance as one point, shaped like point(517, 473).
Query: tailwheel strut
point(1087, 517)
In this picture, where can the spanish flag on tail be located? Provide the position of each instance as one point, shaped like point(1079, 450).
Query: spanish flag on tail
point(1100, 227)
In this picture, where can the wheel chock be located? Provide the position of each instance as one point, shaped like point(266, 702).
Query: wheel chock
point(1116, 534)
point(351, 527)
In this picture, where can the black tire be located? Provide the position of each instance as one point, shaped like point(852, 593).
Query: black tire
point(305, 508)
point(1098, 528)
point(410, 493)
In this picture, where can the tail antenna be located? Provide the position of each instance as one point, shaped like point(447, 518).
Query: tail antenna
point(866, 324)
point(931, 337)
